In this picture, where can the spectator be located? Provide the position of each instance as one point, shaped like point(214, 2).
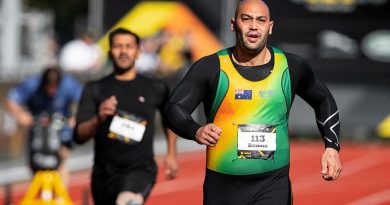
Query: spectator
point(47, 93)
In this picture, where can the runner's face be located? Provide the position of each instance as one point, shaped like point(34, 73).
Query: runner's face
point(124, 51)
point(252, 26)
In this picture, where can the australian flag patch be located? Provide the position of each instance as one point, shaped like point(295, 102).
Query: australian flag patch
point(243, 94)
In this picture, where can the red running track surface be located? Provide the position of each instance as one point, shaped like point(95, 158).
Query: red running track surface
point(365, 179)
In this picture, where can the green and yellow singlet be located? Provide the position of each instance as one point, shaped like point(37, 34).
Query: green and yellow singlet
point(253, 117)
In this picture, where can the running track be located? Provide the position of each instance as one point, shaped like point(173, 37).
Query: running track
point(365, 179)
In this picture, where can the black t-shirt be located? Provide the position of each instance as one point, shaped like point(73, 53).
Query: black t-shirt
point(141, 97)
point(201, 82)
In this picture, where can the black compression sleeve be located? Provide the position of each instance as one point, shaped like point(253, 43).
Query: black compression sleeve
point(162, 91)
point(317, 95)
point(190, 92)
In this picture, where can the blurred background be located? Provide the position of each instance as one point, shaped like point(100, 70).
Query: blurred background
point(346, 42)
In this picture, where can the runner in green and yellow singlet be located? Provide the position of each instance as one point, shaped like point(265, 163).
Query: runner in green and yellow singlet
point(247, 91)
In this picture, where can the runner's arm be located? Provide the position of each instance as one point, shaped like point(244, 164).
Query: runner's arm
point(87, 120)
point(170, 162)
point(318, 96)
point(187, 96)
point(315, 93)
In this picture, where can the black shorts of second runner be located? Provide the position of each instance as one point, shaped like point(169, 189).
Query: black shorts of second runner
point(268, 188)
point(108, 182)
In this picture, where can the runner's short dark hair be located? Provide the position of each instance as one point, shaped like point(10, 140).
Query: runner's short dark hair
point(122, 31)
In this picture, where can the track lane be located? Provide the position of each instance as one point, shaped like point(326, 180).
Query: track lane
point(365, 178)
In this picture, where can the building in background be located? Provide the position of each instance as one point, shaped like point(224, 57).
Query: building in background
point(26, 39)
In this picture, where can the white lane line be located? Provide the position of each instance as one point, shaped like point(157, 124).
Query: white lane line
point(373, 199)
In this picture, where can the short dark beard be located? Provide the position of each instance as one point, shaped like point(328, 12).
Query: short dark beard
point(241, 44)
point(249, 53)
point(120, 71)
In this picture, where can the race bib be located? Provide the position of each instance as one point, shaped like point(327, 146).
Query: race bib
point(256, 141)
point(127, 128)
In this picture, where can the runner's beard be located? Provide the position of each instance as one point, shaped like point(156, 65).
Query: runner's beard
point(261, 45)
point(252, 49)
point(121, 70)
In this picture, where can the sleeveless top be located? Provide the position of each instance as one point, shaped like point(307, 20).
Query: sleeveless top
point(253, 116)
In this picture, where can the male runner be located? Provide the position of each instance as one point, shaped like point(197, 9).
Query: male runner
point(119, 111)
point(247, 91)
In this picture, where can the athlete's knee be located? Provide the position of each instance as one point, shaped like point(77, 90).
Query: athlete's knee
point(129, 198)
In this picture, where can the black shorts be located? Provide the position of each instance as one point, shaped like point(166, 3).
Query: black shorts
point(108, 182)
point(271, 188)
